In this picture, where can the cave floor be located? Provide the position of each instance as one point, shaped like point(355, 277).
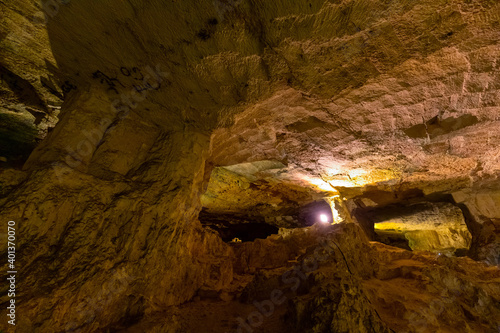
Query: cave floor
point(408, 291)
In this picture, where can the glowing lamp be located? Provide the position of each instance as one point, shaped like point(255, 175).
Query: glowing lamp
point(323, 218)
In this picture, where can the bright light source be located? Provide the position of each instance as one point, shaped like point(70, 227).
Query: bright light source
point(323, 218)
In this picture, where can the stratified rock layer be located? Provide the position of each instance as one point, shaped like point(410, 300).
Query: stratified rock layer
point(31, 92)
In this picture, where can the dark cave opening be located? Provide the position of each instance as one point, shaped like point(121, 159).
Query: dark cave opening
point(233, 227)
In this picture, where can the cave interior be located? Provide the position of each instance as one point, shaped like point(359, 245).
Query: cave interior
point(250, 166)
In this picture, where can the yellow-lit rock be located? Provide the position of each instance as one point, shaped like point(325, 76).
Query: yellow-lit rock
point(427, 227)
point(354, 98)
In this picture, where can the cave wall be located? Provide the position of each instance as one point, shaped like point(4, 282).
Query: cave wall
point(31, 92)
point(482, 212)
point(84, 230)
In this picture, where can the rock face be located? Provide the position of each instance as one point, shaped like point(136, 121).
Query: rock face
point(257, 194)
point(361, 103)
point(331, 279)
point(482, 211)
point(422, 293)
point(436, 227)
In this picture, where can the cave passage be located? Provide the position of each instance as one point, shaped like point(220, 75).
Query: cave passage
point(240, 208)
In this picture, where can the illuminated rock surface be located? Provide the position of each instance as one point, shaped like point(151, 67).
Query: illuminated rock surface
point(435, 227)
point(30, 90)
point(252, 111)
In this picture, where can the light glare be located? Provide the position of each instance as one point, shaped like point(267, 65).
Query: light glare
point(323, 218)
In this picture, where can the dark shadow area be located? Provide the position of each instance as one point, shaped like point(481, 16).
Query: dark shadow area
point(395, 239)
point(365, 221)
point(383, 198)
point(475, 228)
point(248, 228)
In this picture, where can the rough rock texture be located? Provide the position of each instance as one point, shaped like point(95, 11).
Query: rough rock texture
point(256, 193)
point(349, 96)
point(331, 279)
point(434, 227)
point(424, 293)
